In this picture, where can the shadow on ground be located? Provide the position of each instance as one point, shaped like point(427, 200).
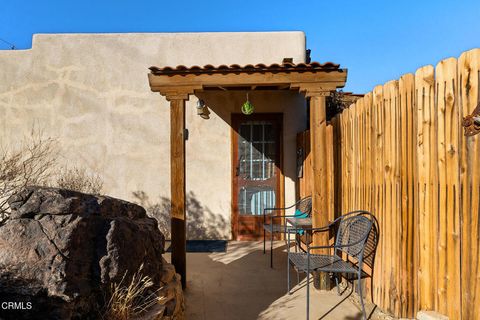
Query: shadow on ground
point(240, 285)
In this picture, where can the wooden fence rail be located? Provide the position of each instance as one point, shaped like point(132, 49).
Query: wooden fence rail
point(400, 153)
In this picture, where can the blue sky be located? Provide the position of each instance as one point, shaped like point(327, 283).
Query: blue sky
point(376, 40)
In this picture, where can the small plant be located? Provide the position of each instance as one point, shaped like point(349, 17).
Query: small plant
point(78, 179)
point(336, 103)
point(247, 107)
point(128, 300)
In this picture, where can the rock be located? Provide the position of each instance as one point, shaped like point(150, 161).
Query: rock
point(171, 294)
point(61, 249)
point(171, 305)
point(168, 272)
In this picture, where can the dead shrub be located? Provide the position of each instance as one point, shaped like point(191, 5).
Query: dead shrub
point(32, 162)
point(78, 179)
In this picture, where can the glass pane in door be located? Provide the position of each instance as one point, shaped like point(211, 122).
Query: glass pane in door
point(252, 200)
point(257, 151)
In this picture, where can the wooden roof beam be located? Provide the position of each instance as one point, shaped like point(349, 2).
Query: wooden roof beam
point(327, 80)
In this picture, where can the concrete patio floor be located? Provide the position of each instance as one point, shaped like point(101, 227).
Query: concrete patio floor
point(240, 285)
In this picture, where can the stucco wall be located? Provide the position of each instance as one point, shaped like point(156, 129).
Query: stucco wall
point(91, 92)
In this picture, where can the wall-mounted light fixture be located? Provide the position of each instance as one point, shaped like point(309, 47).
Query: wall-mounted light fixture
point(202, 109)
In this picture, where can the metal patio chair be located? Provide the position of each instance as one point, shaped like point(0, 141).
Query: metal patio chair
point(356, 238)
point(278, 223)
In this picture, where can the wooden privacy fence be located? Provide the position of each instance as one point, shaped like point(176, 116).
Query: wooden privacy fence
point(400, 153)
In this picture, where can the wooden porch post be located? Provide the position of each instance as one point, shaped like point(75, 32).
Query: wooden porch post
point(177, 183)
point(320, 191)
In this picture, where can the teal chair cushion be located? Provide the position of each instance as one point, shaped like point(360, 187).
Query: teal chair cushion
point(300, 214)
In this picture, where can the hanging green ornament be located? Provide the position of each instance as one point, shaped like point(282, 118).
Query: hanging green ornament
point(247, 107)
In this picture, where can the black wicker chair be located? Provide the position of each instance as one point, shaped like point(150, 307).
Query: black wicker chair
point(278, 223)
point(357, 237)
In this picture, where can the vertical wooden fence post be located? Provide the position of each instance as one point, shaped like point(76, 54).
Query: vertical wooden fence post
point(427, 186)
point(448, 121)
point(469, 82)
point(409, 228)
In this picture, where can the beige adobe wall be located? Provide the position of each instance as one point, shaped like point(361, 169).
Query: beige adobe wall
point(91, 91)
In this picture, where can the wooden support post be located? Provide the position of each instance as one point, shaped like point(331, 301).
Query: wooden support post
point(320, 190)
point(177, 178)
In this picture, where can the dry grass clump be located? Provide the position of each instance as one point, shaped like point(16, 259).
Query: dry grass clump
point(78, 179)
point(129, 300)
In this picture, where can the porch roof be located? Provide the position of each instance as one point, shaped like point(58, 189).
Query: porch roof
point(315, 80)
point(303, 76)
point(249, 68)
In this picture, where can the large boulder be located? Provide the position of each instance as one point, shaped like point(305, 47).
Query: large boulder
point(60, 251)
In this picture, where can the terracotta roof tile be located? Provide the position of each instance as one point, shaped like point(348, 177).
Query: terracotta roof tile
point(249, 68)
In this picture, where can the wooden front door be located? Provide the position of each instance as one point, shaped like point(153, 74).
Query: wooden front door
point(256, 171)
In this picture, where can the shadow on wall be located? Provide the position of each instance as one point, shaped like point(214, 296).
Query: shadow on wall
point(202, 223)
